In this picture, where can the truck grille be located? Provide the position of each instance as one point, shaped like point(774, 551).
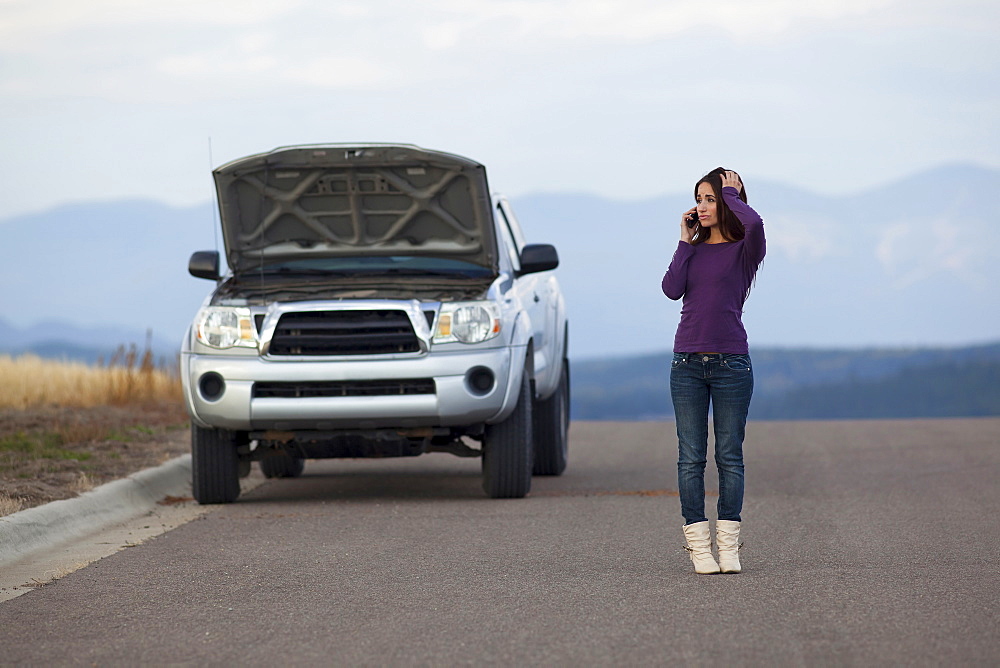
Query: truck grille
point(376, 332)
point(346, 388)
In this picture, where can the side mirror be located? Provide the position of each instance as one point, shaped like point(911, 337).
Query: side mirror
point(538, 257)
point(204, 264)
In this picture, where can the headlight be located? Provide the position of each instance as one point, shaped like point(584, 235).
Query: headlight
point(226, 327)
point(467, 322)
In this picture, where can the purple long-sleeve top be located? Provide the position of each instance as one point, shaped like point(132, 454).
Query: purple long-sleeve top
point(715, 280)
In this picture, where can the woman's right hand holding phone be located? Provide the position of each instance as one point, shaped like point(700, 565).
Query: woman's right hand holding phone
point(687, 230)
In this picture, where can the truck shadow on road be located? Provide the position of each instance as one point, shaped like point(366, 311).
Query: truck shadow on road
point(367, 480)
point(373, 481)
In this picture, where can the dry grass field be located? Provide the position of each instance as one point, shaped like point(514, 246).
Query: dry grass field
point(128, 378)
point(66, 427)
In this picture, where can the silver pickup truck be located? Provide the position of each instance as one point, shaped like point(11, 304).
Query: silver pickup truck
point(379, 302)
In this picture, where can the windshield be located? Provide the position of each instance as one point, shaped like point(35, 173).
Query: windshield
point(376, 265)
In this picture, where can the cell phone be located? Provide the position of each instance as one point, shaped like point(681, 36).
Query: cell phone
point(692, 220)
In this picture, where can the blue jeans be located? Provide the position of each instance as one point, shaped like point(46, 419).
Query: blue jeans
point(726, 380)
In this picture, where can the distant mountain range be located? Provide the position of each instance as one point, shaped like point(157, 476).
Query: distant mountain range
point(55, 339)
point(102, 274)
point(912, 263)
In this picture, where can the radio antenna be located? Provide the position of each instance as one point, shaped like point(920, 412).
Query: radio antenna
point(215, 211)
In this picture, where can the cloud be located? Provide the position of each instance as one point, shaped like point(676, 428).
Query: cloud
point(802, 237)
point(33, 26)
point(40, 18)
point(190, 50)
point(631, 20)
point(250, 65)
point(209, 65)
point(921, 249)
point(616, 98)
point(340, 72)
point(887, 251)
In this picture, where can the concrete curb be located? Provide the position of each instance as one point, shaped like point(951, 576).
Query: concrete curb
point(43, 527)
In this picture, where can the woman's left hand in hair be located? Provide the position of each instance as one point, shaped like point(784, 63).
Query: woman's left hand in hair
point(732, 180)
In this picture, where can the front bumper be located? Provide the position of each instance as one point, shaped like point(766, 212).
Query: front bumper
point(454, 402)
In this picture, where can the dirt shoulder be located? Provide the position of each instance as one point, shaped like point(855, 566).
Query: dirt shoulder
point(53, 453)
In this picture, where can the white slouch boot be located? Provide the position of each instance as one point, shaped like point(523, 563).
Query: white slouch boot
point(699, 546)
point(727, 537)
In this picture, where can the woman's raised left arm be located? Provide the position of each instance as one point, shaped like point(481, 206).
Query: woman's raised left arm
point(754, 245)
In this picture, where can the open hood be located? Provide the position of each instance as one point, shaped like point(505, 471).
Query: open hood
point(358, 199)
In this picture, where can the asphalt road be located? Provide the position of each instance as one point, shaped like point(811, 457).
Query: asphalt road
point(865, 543)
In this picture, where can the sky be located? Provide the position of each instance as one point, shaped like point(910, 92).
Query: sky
point(627, 99)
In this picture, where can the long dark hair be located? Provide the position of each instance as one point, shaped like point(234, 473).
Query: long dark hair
point(729, 224)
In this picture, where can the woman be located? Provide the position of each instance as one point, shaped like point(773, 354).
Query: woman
point(713, 268)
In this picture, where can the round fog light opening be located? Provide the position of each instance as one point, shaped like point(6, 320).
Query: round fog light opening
point(211, 386)
point(480, 380)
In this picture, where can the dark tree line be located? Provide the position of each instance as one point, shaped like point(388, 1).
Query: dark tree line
point(803, 384)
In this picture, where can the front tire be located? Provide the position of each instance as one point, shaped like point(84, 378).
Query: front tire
point(507, 450)
point(551, 429)
point(215, 465)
